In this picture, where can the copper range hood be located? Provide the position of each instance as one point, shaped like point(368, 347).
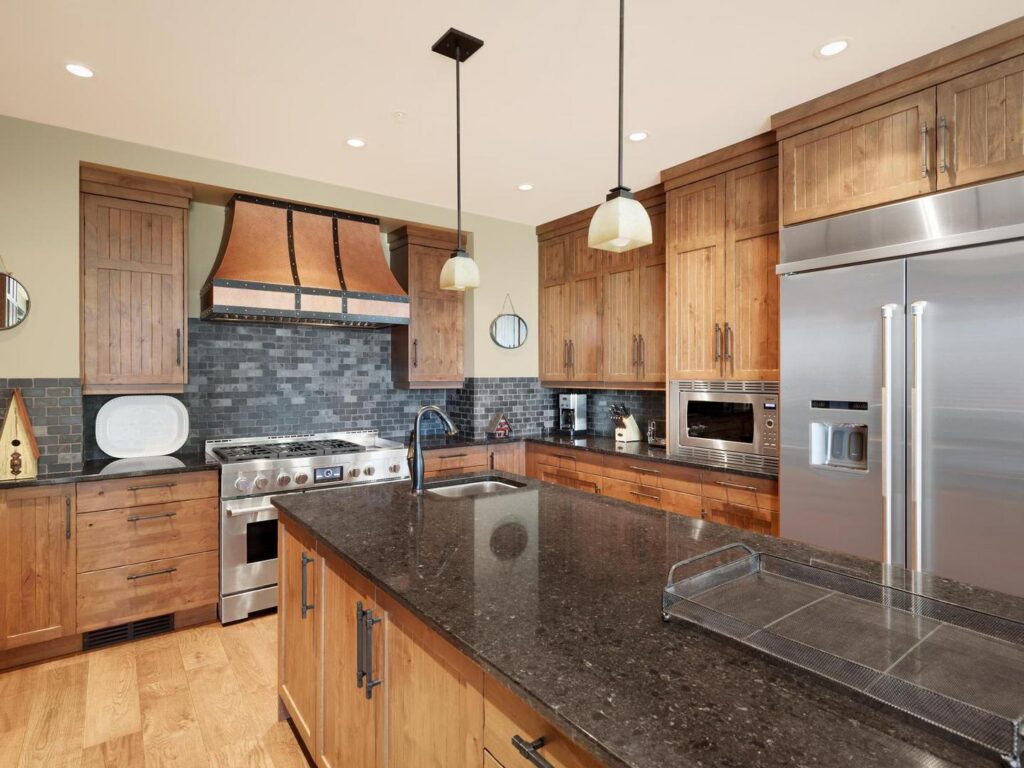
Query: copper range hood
point(289, 263)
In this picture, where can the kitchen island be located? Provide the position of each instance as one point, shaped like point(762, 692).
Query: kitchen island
point(556, 594)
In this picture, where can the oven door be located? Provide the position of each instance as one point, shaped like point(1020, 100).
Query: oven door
point(248, 545)
point(723, 422)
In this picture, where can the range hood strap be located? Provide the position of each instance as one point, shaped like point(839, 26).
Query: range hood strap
point(337, 254)
point(291, 259)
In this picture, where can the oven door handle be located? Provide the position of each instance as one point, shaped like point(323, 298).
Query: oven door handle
point(246, 512)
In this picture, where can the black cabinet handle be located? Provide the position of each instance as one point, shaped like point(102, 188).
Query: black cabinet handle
point(528, 749)
point(360, 645)
point(368, 622)
point(140, 518)
point(151, 485)
point(643, 350)
point(177, 356)
point(67, 517)
point(415, 353)
point(161, 572)
point(306, 606)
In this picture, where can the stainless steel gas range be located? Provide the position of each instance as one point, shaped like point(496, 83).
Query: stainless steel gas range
point(253, 470)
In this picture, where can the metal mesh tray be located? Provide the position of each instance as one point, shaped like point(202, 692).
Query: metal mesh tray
point(955, 668)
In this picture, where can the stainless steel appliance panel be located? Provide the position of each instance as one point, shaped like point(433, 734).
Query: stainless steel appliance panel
point(248, 544)
point(970, 408)
point(842, 339)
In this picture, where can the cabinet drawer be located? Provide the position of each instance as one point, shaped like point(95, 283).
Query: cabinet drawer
point(506, 716)
point(565, 459)
point(116, 537)
point(739, 489)
point(117, 595)
point(686, 504)
point(740, 516)
point(154, 489)
point(446, 459)
point(634, 492)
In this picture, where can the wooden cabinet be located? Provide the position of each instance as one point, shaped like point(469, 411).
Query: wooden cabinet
point(873, 157)
point(602, 315)
point(134, 236)
point(37, 567)
point(429, 351)
point(510, 457)
point(981, 125)
point(723, 294)
point(298, 637)
point(722, 497)
point(444, 462)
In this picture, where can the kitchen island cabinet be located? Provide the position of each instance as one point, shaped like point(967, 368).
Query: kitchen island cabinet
point(551, 597)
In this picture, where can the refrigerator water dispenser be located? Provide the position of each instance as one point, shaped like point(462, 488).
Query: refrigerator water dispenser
point(839, 445)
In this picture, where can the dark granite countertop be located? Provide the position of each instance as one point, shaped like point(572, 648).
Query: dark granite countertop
point(596, 444)
point(105, 469)
point(557, 593)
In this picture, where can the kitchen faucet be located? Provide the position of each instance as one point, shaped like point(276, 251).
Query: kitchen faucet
point(415, 454)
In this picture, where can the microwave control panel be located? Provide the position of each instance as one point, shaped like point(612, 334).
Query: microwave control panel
point(770, 424)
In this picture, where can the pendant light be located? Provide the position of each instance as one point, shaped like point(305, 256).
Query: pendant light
point(620, 223)
point(460, 271)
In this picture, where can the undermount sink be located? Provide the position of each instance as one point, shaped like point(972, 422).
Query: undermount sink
point(473, 487)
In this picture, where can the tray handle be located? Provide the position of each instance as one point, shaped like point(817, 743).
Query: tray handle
point(705, 555)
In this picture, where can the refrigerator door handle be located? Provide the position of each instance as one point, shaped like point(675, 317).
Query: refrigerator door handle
point(888, 311)
point(917, 438)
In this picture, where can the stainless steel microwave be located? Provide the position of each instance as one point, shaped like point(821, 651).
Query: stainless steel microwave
point(726, 422)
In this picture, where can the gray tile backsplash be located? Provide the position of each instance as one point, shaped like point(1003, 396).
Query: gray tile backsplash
point(55, 408)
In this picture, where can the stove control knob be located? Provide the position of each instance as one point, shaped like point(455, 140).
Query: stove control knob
point(260, 483)
point(301, 478)
point(369, 471)
point(243, 484)
point(283, 480)
point(354, 472)
point(394, 469)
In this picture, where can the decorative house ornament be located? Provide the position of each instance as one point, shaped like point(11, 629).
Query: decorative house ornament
point(499, 427)
point(460, 271)
point(620, 223)
point(19, 453)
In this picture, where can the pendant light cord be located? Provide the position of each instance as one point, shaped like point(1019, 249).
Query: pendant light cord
point(622, 56)
point(458, 151)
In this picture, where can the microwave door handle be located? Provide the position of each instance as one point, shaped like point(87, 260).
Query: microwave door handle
point(888, 311)
point(917, 438)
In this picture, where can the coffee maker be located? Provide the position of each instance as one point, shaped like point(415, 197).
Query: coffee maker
point(572, 413)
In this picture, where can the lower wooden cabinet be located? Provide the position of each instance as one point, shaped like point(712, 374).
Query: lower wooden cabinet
point(37, 565)
point(298, 635)
point(444, 462)
point(508, 457)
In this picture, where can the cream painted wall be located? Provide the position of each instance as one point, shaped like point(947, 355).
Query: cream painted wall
point(39, 242)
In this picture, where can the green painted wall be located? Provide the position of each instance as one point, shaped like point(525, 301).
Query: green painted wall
point(39, 222)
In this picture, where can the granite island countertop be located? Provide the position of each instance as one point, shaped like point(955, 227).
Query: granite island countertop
point(557, 594)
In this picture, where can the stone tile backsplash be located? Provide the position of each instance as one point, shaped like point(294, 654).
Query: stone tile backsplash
point(527, 405)
point(55, 408)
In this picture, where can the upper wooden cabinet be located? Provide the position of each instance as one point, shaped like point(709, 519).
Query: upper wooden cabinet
point(722, 244)
point(429, 351)
point(37, 569)
point(981, 125)
point(134, 235)
point(602, 315)
point(950, 118)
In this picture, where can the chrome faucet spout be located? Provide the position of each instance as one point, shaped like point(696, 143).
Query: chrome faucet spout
point(415, 455)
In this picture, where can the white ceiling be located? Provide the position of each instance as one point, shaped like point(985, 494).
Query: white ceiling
point(281, 85)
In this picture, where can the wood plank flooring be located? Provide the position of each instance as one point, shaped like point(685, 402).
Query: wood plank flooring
point(200, 697)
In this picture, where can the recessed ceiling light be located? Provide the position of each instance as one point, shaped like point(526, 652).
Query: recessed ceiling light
point(833, 47)
point(524, 187)
point(356, 142)
point(638, 135)
point(79, 70)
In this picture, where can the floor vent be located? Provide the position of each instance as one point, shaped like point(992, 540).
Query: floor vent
point(122, 633)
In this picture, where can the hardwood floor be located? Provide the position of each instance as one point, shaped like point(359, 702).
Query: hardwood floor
point(203, 696)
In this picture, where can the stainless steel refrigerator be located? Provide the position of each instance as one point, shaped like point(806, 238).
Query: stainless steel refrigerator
point(902, 384)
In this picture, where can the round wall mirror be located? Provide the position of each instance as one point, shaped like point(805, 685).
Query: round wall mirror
point(14, 302)
point(508, 329)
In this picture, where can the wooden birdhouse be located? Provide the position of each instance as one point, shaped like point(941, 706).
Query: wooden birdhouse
point(19, 454)
point(499, 426)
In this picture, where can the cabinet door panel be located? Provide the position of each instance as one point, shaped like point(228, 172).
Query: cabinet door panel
point(652, 320)
point(585, 339)
point(554, 331)
point(554, 265)
point(586, 261)
point(874, 157)
point(621, 327)
point(509, 458)
point(37, 572)
point(984, 112)
point(133, 293)
point(298, 655)
point(437, 341)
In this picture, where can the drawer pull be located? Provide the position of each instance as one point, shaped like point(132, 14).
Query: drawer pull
point(152, 485)
point(455, 456)
point(528, 749)
point(724, 484)
point(646, 469)
point(139, 518)
point(646, 495)
point(161, 572)
point(67, 517)
point(565, 456)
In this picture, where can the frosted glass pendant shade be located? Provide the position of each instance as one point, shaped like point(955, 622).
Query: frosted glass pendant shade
point(620, 224)
point(461, 272)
